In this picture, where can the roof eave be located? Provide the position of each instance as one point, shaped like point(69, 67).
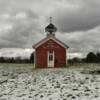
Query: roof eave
point(36, 45)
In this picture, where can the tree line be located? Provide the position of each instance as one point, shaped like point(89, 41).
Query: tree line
point(90, 58)
point(17, 59)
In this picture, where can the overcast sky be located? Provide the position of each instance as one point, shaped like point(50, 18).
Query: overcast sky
point(22, 24)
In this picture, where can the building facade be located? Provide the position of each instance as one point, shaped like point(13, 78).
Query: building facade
point(50, 52)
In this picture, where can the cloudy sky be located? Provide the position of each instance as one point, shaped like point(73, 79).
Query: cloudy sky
point(22, 24)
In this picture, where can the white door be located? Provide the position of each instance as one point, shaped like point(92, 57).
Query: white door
point(50, 59)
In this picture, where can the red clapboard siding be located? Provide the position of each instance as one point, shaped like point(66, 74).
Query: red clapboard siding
point(59, 51)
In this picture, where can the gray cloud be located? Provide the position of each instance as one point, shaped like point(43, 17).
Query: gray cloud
point(23, 26)
point(80, 16)
point(22, 23)
point(82, 42)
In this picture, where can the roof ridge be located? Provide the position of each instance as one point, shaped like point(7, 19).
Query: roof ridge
point(46, 39)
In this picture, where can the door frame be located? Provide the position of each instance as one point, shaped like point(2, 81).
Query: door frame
point(48, 59)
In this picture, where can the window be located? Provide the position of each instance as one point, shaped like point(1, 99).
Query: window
point(50, 56)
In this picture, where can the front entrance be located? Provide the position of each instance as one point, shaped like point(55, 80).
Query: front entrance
point(50, 59)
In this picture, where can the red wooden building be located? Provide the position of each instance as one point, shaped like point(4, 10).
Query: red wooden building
point(50, 52)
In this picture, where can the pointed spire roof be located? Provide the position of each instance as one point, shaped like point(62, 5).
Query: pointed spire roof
point(50, 28)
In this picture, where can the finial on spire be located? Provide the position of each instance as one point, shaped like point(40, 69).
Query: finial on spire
point(50, 19)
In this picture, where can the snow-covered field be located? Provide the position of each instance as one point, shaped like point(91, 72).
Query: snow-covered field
point(22, 82)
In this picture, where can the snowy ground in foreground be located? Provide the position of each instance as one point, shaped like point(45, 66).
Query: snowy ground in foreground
point(24, 83)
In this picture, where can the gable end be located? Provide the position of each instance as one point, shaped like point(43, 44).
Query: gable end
point(46, 39)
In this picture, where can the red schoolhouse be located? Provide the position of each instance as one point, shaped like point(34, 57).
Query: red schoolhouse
point(50, 52)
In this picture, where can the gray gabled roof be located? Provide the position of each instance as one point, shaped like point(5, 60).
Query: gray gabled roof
point(48, 38)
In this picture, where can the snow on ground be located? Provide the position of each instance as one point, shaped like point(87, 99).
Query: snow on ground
point(25, 83)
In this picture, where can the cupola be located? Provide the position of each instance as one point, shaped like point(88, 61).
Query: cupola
point(50, 29)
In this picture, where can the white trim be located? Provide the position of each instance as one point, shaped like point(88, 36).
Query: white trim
point(59, 43)
point(48, 62)
point(46, 39)
point(35, 59)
